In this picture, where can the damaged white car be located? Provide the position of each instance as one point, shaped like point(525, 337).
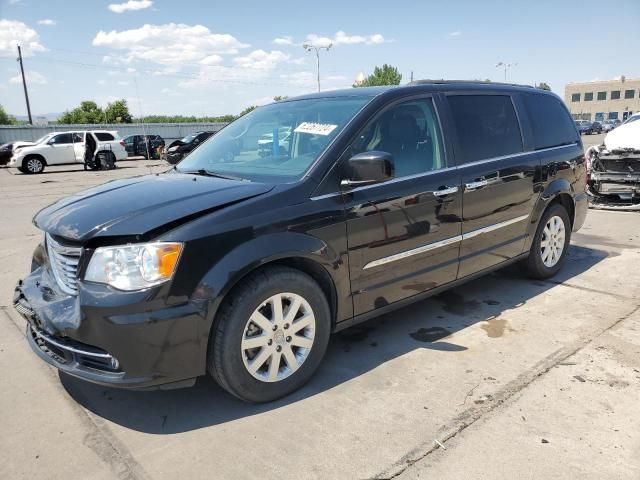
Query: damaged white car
point(614, 170)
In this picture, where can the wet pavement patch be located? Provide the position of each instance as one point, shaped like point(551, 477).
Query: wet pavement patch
point(495, 328)
point(430, 335)
point(456, 304)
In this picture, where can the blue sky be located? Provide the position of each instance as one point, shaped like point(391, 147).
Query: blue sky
point(210, 58)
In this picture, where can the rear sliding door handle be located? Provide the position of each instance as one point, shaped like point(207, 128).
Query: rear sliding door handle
point(445, 191)
point(475, 185)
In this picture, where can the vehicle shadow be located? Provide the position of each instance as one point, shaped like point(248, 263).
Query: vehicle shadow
point(352, 352)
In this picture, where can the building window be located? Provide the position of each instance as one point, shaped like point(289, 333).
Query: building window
point(613, 115)
point(615, 95)
point(629, 94)
point(575, 97)
point(602, 95)
point(588, 96)
point(599, 116)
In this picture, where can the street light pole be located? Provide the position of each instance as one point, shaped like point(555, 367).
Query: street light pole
point(506, 66)
point(309, 48)
point(24, 84)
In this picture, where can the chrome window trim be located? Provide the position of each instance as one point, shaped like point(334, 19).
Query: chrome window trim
point(443, 243)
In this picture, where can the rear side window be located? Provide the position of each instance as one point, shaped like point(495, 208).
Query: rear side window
point(487, 127)
point(550, 123)
point(104, 137)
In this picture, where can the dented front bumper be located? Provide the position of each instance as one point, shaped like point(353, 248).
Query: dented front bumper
point(114, 338)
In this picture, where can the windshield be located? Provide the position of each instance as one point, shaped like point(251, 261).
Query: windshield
point(44, 138)
point(631, 119)
point(302, 129)
point(188, 138)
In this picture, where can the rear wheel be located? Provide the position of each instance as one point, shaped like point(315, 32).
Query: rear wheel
point(550, 243)
point(272, 334)
point(33, 165)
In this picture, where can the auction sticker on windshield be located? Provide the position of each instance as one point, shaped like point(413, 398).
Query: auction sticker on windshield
point(315, 128)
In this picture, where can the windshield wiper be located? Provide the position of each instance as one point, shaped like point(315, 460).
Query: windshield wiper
point(209, 173)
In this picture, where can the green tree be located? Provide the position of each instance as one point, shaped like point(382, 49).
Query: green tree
point(5, 118)
point(279, 98)
point(544, 86)
point(385, 75)
point(88, 112)
point(117, 112)
point(247, 110)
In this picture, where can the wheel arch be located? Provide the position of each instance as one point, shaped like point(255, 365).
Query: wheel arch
point(302, 252)
point(558, 191)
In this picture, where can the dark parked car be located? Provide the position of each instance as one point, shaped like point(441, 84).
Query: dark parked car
point(584, 127)
point(596, 127)
point(143, 145)
point(180, 148)
point(608, 125)
point(245, 263)
point(6, 150)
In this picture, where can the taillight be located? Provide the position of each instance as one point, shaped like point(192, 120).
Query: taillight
point(122, 142)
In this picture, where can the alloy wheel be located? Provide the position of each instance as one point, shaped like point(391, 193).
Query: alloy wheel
point(278, 337)
point(34, 165)
point(552, 242)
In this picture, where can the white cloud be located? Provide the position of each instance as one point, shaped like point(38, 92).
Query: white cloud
point(303, 80)
point(457, 33)
point(211, 60)
point(285, 40)
point(341, 38)
point(14, 33)
point(33, 77)
point(261, 60)
point(171, 93)
point(131, 70)
point(169, 44)
point(47, 21)
point(122, 83)
point(130, 5)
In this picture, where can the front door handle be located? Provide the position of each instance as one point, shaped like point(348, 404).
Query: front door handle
point(445, 191)
point(476, 185)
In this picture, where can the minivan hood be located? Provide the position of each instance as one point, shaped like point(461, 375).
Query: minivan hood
point(136, 206)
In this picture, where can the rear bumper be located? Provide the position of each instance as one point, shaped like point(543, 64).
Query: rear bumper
point(122, 341)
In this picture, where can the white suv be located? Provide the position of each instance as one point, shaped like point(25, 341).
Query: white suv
point(65, 147)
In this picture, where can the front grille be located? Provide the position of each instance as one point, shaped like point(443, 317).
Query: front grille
point(64, 264)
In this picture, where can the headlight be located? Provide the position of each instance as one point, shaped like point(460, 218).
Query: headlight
point(134, 267)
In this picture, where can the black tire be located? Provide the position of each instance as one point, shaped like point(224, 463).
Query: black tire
point(226, 358)
point(33, 164)
point(534, 265)
point(22, 170)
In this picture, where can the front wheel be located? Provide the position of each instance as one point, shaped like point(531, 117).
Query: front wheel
point(271, 336)
point(33, 165)
point(550, 243)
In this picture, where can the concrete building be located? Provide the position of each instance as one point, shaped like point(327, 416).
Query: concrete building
point(602, 100)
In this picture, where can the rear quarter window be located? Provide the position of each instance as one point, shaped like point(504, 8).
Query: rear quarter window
point(104, 137)
point(486, 126)
point(550, 122)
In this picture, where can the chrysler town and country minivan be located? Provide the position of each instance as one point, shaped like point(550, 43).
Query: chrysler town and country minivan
point(251, 257)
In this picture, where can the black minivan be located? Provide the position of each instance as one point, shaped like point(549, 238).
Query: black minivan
point(245, 264)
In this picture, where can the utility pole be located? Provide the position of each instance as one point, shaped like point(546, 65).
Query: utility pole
point(506, 66)
point(411, 75)
point(309, 48)
point(24, 84)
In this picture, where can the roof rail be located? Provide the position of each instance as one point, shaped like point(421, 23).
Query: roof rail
point(448, 82)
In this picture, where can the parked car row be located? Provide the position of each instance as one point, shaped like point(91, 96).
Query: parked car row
point(70, 147)
point(585, 127)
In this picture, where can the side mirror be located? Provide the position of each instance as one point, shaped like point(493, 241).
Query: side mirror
point(367, 168)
